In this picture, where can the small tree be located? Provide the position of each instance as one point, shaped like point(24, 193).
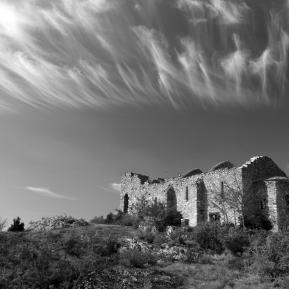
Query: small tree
point(17, 225)
point(158, 212)
point(230, 200)
point(3, 223)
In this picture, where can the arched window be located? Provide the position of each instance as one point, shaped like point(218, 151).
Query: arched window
point(125, 203)
point(187, 194)
point(222, 191)
point(171, 200)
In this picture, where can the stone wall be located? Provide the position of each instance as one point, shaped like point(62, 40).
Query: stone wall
point(259, 168)
point(278, 193)
point(197, 203)
point(132, 186)
point(282, 188)
point(226, 191)
point(272, 203)
point(254, 174)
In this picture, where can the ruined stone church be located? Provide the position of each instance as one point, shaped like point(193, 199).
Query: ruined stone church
point(225, 193)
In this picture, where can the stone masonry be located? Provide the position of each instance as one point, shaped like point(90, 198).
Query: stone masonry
point(226, 193)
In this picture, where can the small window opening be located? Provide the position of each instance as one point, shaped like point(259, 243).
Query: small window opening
point(187, 194)
point(287, 200)
point(125, 205)
point(262, 204)
point(184, 222)
point(222, 190)
point(214, 217)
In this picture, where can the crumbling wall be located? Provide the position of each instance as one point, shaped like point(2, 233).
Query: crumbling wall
point(282, 199)
point(272, 203)
point(184, 188)
point(231, 192)
point(278, 202)
point(224, 190)
point(195, 195)
point(254, 172)
point(259, 168)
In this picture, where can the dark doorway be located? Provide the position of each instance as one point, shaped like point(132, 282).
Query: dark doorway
point(171, 200)
point(202, 203)
point(125, 203)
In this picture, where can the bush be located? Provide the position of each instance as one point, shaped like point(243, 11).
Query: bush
point(136, 258)
point(271, 257)
point(209, 237)
point(3, 223)
point(117, 218)
point(173, 218)
point(16, 226)
point(56, 222)
point(237, 242)
point(158, 213)
point(74, 246)
point(129, 220)
point(108, 247)
point(98, 220)
point(147, 236)
point(259, 221)
point(160, 239)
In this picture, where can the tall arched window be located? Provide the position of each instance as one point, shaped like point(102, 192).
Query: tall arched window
point(171, 200)
point(125, 203)
point(187, 194)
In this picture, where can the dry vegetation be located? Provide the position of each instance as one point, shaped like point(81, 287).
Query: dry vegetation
point(109, 256)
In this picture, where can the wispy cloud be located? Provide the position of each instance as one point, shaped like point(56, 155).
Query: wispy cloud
point(69, 53)
point(45, 192)
point(116, 187)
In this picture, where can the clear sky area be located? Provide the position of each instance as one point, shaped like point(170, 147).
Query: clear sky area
point(93, 88)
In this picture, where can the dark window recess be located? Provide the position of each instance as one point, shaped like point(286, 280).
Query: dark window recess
point(222, 190)
point(287, 200)
point(125, 203)
point(187, 194)
point(215, 217)
point(185, 222)
point(262, 204)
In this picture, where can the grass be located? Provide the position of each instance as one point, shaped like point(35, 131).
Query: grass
point(91, 257)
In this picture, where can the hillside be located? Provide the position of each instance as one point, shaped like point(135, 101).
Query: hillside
point(114, 256)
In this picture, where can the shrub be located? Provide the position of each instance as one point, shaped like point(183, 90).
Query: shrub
point(109, 247)
point(160, 239)
point(147, 236)
point(259, 221)
point(209, 237)
point(271, 257)
point(157, 212)
point(98, 220)
point(173, 218)
point(74, 246)
point(154, 210)
point(16, 226)
point(117, 218)
point(136, 258)
point(56, 222)
point(237, 242)
point(128, 220)
point(3, 223)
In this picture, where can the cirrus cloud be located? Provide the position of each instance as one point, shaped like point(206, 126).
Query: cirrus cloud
point(116, 187)
point(45, 192)
point(69, 53)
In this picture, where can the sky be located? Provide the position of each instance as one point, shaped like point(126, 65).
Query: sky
point(90, 89)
